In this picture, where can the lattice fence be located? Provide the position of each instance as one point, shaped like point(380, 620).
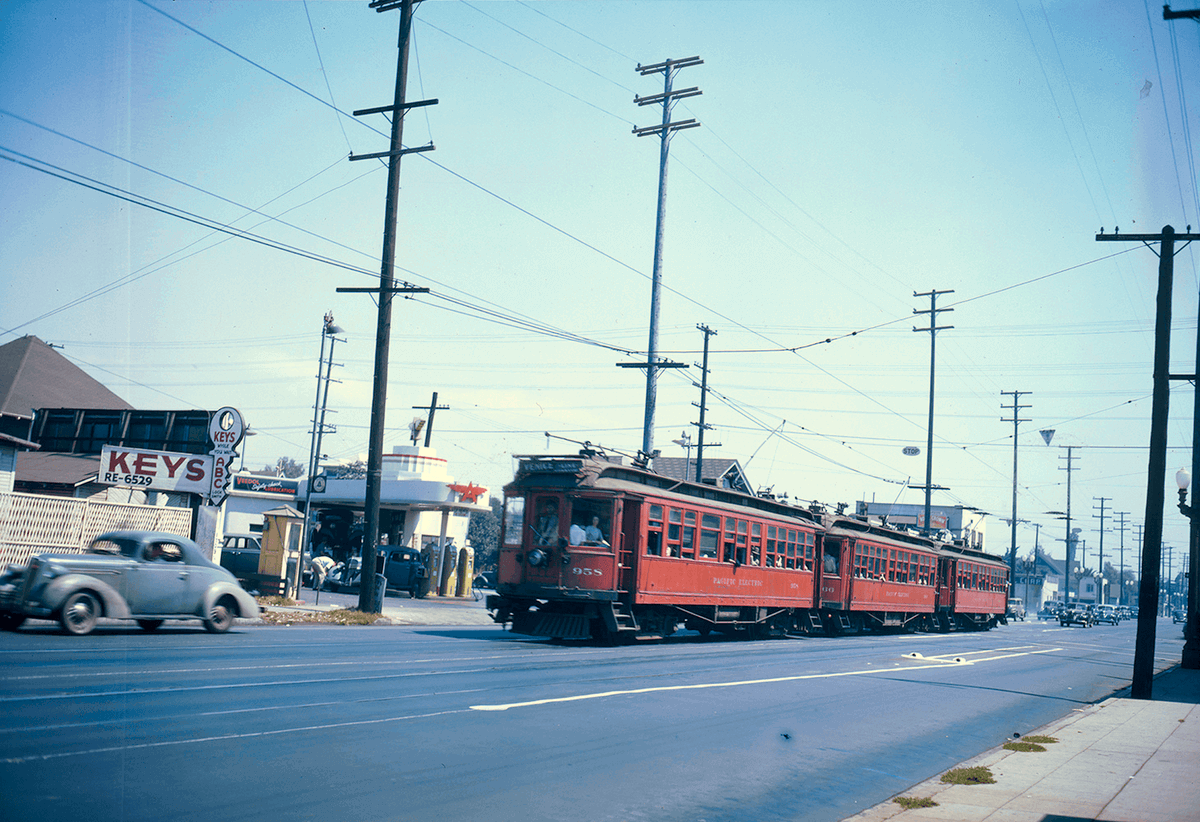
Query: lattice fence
point(32, 524)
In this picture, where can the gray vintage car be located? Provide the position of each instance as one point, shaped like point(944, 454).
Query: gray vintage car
point(145, 576)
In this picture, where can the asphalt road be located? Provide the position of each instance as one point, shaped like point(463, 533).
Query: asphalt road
point(467, 722)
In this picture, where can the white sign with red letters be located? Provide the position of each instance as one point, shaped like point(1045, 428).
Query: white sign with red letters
point(157, 470)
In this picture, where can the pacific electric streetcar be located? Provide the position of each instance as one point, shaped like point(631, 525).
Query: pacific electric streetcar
point(592, 548)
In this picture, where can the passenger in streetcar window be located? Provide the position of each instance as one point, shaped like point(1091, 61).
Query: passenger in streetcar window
point(577, 534)
point(593, 534)
point(831, 563)
point(547, 527)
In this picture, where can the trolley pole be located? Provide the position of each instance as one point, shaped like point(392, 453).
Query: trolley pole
point(703, 386)
point(1012, 556)
point(664, 130)
point(386, 289)
point(933, 329)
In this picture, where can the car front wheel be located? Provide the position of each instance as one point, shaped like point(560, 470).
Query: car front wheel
point(79, 613)
point(220, 616)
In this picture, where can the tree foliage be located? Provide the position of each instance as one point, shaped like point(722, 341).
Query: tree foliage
point(484, 533)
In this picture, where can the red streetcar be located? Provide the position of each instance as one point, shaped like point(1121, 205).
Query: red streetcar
point(591, 548)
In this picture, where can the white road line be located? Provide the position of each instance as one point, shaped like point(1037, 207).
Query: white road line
point(20, 760)
point(737, 684)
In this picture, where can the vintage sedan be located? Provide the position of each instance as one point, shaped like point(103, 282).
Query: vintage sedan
point(145, 576)
point(1076, 615)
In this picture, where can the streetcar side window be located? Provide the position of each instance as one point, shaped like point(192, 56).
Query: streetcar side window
point(687, 545)
point(810, 542)
point(654, 531)
point(514, 520)
point(770, 547)
point(674, 531)
point(710, 535)
point(861, 559)
point(755, 542)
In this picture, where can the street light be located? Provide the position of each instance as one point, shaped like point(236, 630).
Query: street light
point(331, 330)
point(1191, 630)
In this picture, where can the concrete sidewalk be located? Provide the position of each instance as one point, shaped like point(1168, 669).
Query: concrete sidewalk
point(1121, 760)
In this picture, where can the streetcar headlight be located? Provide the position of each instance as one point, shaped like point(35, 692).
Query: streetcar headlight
point(537, 557)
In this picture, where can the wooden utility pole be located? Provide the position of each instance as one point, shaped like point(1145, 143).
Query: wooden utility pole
point(933, 329)
point(1143, 654)
point(386, 290)
point(432, 408)
point(1012, 556)
point(664, 130)
point(702, 405)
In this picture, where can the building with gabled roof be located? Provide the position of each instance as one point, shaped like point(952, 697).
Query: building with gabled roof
point(723, 473)
point(33, 375)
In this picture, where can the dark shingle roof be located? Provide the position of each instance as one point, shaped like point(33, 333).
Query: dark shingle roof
point(34, 375)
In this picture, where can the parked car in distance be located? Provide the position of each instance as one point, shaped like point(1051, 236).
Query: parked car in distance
point(1075, 615)
point(402, 567)
point(146, 576)
point(1048, 612)
point(1179, 615)
point(1016, 609)
point(1108, 614)
point(239, 554)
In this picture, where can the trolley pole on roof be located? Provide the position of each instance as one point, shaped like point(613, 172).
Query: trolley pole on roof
point(1012, 557)
point(664, 130)
point(386, 289)
point(933, 329)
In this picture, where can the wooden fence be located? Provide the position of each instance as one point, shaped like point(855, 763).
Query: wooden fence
point(32, 524)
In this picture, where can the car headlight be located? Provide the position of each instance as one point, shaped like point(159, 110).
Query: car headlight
point(50, 571)
point(537, 557)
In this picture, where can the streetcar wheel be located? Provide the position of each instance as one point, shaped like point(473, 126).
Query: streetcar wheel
point(79, 613)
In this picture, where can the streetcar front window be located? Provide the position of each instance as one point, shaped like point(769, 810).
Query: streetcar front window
point(514, 520)
point(591, 522)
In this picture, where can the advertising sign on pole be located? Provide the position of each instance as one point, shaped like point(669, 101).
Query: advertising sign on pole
point(225, 430)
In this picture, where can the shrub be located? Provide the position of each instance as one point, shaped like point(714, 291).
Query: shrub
point(978, 775)
point(910, 802)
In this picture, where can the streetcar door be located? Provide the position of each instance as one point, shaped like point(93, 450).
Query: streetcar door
point(630, 545)
point(830, 572)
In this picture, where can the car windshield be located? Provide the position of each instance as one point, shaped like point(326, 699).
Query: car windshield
point(114, 547)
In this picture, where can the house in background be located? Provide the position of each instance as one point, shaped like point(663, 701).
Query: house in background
point(723, 473)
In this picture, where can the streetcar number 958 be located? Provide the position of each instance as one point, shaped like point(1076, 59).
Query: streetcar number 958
point(587, 572)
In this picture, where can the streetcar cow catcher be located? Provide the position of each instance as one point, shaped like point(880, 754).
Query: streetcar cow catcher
point(595, 549)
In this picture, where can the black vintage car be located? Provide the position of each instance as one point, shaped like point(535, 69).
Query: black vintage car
point(1076, 615)
point(402, 566)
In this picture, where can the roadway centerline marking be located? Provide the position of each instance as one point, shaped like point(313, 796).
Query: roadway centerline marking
point(740, 683)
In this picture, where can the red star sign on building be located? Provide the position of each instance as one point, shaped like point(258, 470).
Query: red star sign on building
point(469, 493)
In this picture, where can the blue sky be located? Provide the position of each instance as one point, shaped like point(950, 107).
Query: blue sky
point(849, 156)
